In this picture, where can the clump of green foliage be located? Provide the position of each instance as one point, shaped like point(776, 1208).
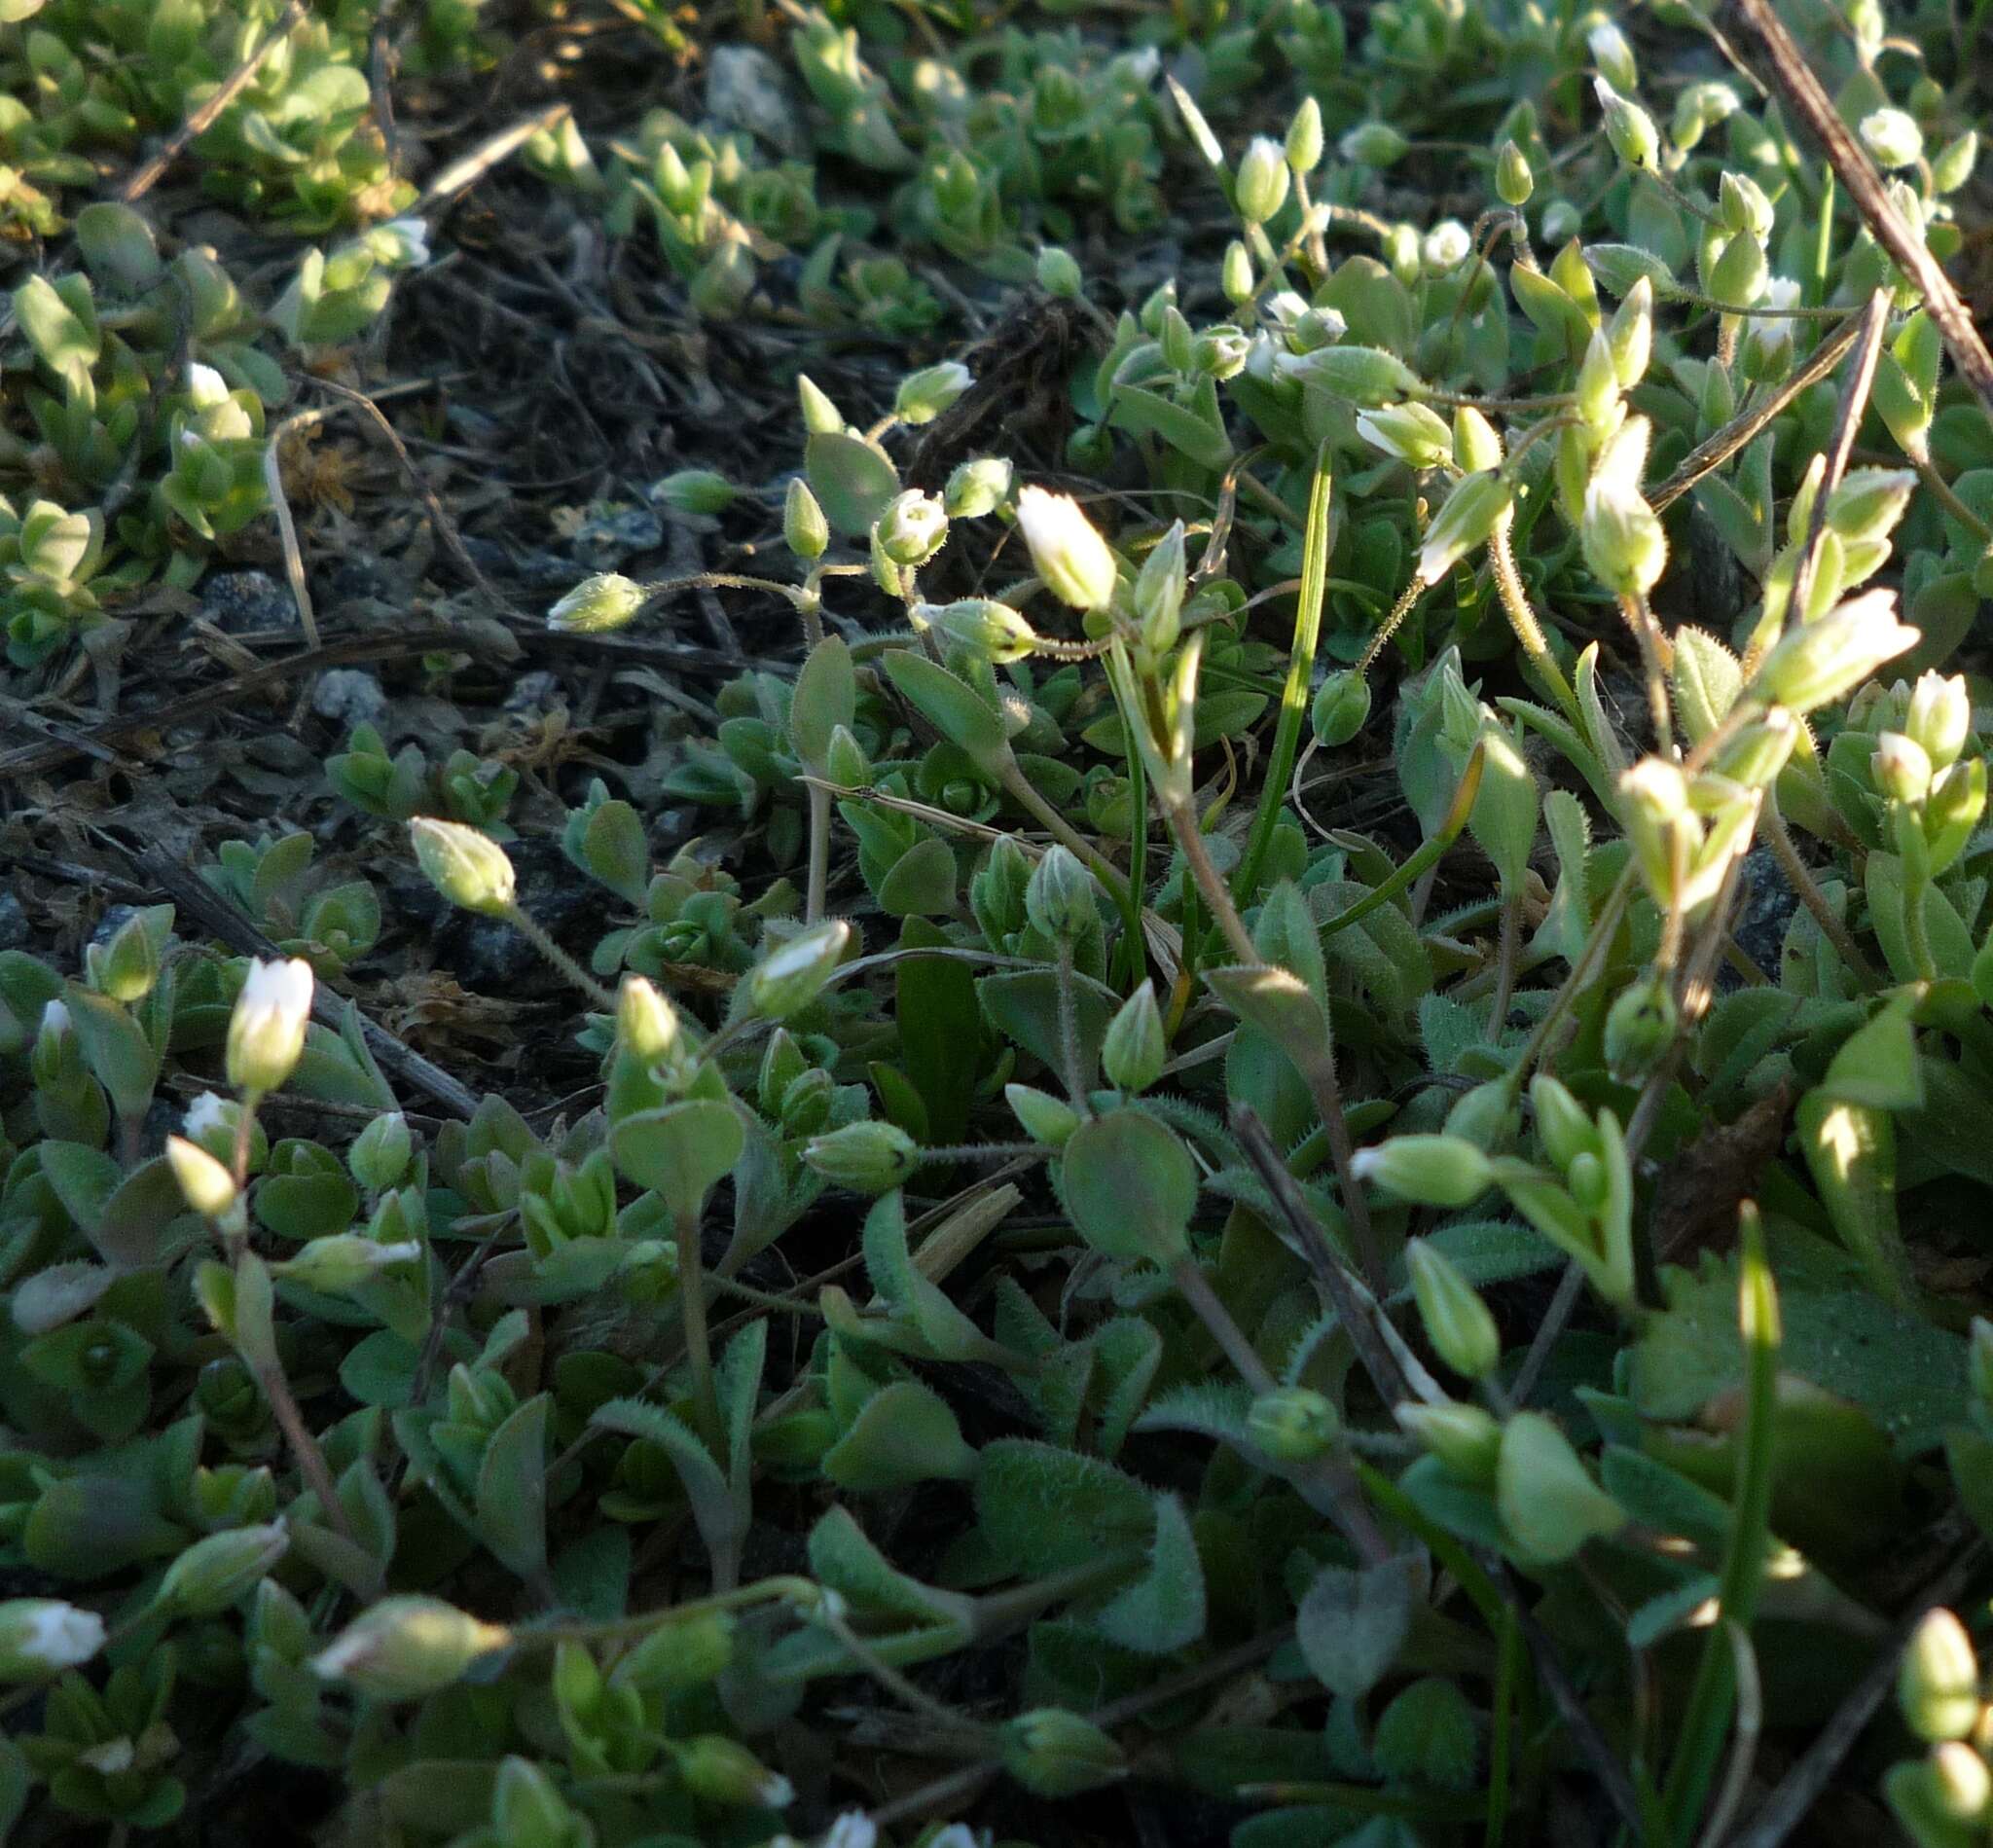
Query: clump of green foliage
point(493, 1466)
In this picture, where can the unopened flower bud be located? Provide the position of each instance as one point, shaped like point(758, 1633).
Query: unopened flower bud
point(1261, 187)
point(1940, 718)
point(1304, 137)
point(1059, 897)
point(126, 967)
point(1937, 1684)
point(701, 493)
point(1892, 137)
point(597, 604)
point(406, 1647)
point(924, 395)
point(1513, 180)
point(1814, 664)
point(1054, 1753)
point(1372, 144)
point(1468, 517)
point(1293, 1424)
point(342, 1261)
point(214, 1573)
point(868, 1157)
point(1466, 1438)
point(1134, 1051)
point(1611, 54)
point(1433, 1171)
point(1159, 590)
point(821, 417)
point(977, 486)
point(267, 1026)
point(647, 1024)
point(805, 530)
point(39, 1637)
point(379, 1155)
point(1639, 1028)
point(1342, 703)
point(467, 867)
point(722, 1771)
point(1059, 274)
point(1068, 554)
point(791, 976)
point(1235, 274)
point(1901, 767)
point(1630, 334)
point(1456, 1321)
point(1628, 127)
point(207, 1187)
point(1411, 432)
point(1476, 442)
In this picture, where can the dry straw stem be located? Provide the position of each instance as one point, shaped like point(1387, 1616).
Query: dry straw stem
point(1802, 89)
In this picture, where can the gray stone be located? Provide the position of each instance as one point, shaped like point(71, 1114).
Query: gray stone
point(240, 602)
point(350, 697)
point(13, 922)
point(534, 693)
point(745, 89)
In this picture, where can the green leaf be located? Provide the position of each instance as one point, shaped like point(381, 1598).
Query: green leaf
point(682, 1150)
point(905, 1433)
point(1426, 1737)
point(1162, 1610)
point(1352, 1624)
point(1145, 413)
point(1040, 1508)
point(1130, 1187)
point(852, 481)
point(1023, 1005)
point(511, 1489)
point(825, 697)
point(952, 707)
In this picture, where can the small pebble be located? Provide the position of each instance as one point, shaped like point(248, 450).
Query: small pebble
point(240, 602)
point(350, 697)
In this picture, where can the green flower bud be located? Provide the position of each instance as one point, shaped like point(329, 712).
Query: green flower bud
point(845, 762)
point(982, 626)
point(1513, 180)
point(913, 527)
point(126, 967)
point(1372, 144)
point(1597, 385)
point(1621, 537)
point(1892, 137)
point(205, 1184)
point(1059, 899)
point(1462, 1331)
point(1937, 1684)
point(1463, 522)
point(1952, 811)
point(1940, 718)
point(527, 1810)
point(1410, 432)
point(1476, 442)
point(1941, 1799)
point(1342, 703)
point(1869, 502)
point(1486, 1116)
point(1742, 207)
point(1901, 767)
point(1814, 664)
point(267, 1026)
point(1737, 279)
point(1159, 590)
point(805, 530)
point(379, 1155)
point(468, 868)
point(977, 487)
point(1952, 165)
point(722, 1771)
point(1628, 127)
point(804, 1106)
point(1293, 1424)
point(1433, 1171)
point(698, 492)
point(647, 1024)
point(1304, 137)
point(868, 1157)
point(1467, 1439)
point(1235, 274)
point(821, 417)
point(214, 1573)
point(597, 604)
point(1059, 274)
point(1054, 1753)
point(1068, 554)
point(791, 976)
point(1260, 189)
point(1548, 1504)
point(404, 1647)
point(1134, 1051)
point(1630, 334)
point(1611, 54)
point(40, 1636)
point(1045, 1118)
point(344, 1260)
point(1639, 1028)
point(680, 1654)
point(924, 395)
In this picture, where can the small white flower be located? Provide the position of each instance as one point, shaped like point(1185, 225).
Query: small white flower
point(40, 1634)
point(56, 1019)
point(1892, 137)
point(853, 1830)
point(207, 1113)
point(267, 1030)
point(406, 242)
point(111, 1758)
point(1446, 246)
point(1066, 552)
point(205, 386)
